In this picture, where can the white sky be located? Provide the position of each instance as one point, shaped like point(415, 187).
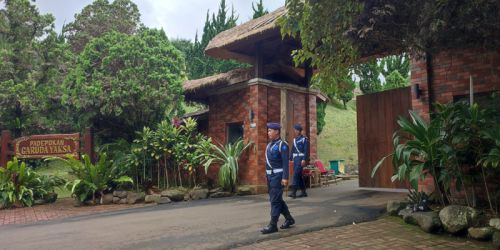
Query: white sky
point(179, 18)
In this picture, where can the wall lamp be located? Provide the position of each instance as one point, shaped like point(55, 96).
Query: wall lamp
point(417, 90)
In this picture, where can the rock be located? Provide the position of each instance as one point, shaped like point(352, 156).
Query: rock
point(164, 200)
point(456, 218)
point(394, 206)
point(120, 194)
point(123, 201)
point(50, 197)
point(186, 197)
point(496, 240)
point(174, 195)
point(480, 233)
point(38, 202)
point(152, 198)
point(495, 223)
point(198, 193)
point(244, 190)
point(428, 221)
point(220, 194)
point(107, 199)
point(406, 214)
point(116, 199)
point(133, 197)
point(215, 190)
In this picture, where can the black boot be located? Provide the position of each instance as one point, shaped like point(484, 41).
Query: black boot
point(302, 193)
point(271, 228)
point(289, 221)
point(293, 194)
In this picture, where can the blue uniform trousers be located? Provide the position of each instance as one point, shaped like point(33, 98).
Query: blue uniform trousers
point(298, 181)
point(278, 205)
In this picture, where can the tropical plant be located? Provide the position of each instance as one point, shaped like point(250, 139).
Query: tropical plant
point(418, 201)
point(227, 158)
point(44, 187)
point(15, 181)
point(91, 179)
point(418, 152)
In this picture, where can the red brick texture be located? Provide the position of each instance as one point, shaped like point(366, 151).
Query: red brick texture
point(265, 102)
point(450, 77)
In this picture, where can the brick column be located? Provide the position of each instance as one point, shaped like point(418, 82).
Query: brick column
point(312, 130)
point(5, 140)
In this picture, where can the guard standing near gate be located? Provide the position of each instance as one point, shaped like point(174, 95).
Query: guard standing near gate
point(277, 178)
point(299, 156)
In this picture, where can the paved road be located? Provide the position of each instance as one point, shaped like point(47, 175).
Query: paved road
point(211, 223)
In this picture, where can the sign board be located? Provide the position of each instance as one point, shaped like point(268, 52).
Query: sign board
point(41, 146)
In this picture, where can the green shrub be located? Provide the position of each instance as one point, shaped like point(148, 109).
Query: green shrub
point(15, 181)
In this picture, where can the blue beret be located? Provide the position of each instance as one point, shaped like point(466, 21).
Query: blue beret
point(273, 125)
point(297, 127)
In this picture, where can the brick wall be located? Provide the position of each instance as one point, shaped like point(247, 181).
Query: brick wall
point(450, 77)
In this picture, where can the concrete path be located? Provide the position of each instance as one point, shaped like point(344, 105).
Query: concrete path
point(212, 223)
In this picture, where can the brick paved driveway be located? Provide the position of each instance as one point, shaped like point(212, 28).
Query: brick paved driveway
point(62, 208)
point(384, 233)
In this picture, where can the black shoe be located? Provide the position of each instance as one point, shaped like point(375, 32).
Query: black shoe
point(288, 223)
point(293, 194)
point(302, 194)
point(271, 228)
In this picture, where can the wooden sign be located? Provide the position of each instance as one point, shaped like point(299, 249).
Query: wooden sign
point(41, 146)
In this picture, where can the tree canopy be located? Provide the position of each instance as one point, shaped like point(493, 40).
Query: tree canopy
point(259, 10)
point(123, 82)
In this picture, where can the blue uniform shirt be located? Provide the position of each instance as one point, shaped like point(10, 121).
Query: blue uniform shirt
point(300, 146)
point(277, 158)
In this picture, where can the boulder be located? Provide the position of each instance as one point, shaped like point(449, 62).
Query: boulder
point(394, 206)
point(215, 190)
point(123, 201)
point(120, 194)
point(198, 193)
point(152, 198)
point(173, 194)
point(428, 221)
point(220, 194)
point(164, 200)
point(50, 197)
point(495, 223)
point(456, 218)
point(496, 240)
point(480, 233)
point(244, 190)
point(116, 199)
point(406, 214)
point(35, 202)
point(107, 199)
point(133, 197)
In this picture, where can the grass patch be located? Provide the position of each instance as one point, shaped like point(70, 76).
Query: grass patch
point(338, 140)
point(57, 169)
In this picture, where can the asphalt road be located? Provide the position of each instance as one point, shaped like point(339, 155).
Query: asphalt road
point(211, 223)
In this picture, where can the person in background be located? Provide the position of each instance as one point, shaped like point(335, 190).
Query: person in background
point(299, 156)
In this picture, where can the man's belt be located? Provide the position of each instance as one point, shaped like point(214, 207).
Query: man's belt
point(299, 154)
point(277, 170)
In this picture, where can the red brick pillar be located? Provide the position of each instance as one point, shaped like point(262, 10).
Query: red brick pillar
point(312, 130)
point(419, 79)
point(5, 153)
point(88, 144)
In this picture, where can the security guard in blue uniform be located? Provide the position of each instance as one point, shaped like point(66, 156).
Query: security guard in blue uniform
point(299, 156)
point(277, 178)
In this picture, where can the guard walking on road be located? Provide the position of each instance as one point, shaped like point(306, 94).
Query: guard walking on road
point(299, 156)
point(277, 178)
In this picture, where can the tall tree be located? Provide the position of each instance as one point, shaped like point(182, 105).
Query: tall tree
point(100, 17)
point(345, 90)
point(369, 76)
point(124, 82)
point(199, 65)
point(259, 10)
point(21, 68)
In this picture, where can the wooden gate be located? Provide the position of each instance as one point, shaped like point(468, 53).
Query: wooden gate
point(377, 116)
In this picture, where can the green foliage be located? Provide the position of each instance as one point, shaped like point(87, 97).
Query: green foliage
point(399, 63)
point(320, 115)
point(259, 10)
point(227, 157)
point(124, 82)
point(369, 76)
point(91, 179)
point(335, 33)
point(199, 65)
point(99, 18)
point(395, 80)
point(345, 90)
point(418, 201)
